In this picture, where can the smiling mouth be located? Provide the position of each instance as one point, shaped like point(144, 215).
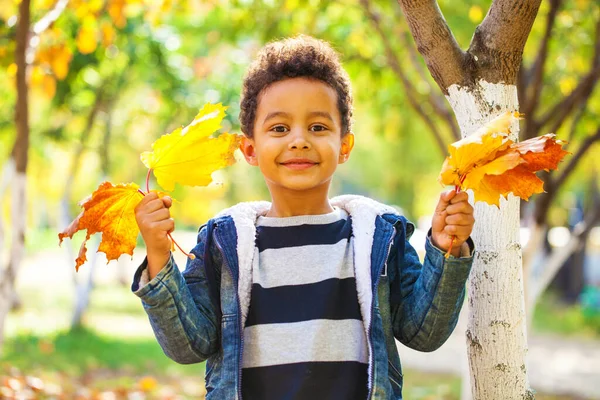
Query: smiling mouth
point(299, 165)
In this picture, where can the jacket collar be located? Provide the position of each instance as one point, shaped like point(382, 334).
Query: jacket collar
point(364, 212)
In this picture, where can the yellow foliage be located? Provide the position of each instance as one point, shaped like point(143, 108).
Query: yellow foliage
point(567, 85)
point(86, 39)
point(57, 57)
point(188, 156)
point(492, 165)
point(476, 14)
point(11, 70)
point(108, 33)
point(116, 10)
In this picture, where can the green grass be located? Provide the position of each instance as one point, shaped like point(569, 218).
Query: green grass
point(76, 351)
point(553, 317)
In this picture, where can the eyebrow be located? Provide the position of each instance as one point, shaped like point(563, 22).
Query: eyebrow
point(311, 114)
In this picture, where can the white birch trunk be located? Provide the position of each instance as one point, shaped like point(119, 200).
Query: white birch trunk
point(17, 248)
point(7, 175)
point(496, 331)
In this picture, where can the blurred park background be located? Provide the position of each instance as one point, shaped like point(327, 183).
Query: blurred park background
point(106, 78)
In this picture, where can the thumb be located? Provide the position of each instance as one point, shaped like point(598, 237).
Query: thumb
point(439, 216)
point(167, 201)
point(444, 200)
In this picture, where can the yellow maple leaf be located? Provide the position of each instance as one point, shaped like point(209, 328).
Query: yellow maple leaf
point(492, 165)
point(189, 155)
point(110, 210)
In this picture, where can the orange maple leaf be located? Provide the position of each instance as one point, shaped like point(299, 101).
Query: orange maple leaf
point(110, 210)
point(492, 165)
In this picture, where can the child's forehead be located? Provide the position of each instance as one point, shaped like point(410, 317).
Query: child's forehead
point(298, 95)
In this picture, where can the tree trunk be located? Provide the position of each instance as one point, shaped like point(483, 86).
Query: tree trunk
point(83, 288)
point(19, 154)
point(8, 171)
point(480, 83)
point(496, 299)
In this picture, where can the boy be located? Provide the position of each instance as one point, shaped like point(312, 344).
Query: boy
point(302, 297)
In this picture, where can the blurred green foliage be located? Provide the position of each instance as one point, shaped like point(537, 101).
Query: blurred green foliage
point(160, 70)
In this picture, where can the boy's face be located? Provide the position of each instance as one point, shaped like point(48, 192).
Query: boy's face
point(297, 141)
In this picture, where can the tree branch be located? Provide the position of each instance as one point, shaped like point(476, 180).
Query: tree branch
point(575, 158)
point(552, 186)
point(43, 24)
point(579, 95)
point(439, 104)
point(536, 73)
point(401, 74)
point(446, 62)
point(578, 115)
point(499, 40)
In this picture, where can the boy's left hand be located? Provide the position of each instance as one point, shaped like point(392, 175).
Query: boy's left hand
point(453, 217)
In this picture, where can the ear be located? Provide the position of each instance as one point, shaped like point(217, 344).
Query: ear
point(346, 147)
point(247, 148)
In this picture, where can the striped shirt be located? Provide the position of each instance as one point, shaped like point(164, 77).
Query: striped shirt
point(304, 337)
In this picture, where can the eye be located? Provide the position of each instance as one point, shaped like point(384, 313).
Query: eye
point(279, 129)
point(318, 128)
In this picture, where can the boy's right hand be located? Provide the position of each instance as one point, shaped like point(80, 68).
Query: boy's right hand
point(154, 220)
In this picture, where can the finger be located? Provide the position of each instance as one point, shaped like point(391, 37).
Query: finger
point(167, 225)
point(146, 199)
point(460, 196)
point(154, 205)
point(159, 215)
point(460, 219)
point(444, 200)
point(461, 232)
point(462, 207)
point(167, 201)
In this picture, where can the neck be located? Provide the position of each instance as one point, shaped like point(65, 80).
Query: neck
point(290, 203)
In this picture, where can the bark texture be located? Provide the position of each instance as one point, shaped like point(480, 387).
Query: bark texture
point(496, 330)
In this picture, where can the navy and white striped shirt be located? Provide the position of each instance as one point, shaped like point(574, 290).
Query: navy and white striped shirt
point(304, 337)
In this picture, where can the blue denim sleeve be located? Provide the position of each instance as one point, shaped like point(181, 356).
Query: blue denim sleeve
point(180, 309)
point(426, 298)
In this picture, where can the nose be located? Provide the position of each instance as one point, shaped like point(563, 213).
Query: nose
point(299, 140)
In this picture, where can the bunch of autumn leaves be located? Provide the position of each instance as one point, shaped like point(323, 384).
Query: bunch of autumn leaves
point(186, 156)
point(487, 162)
point(492, 165)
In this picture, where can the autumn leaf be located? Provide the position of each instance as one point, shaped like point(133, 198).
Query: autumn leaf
point(492, 165)
point(86, 39)
point(58, 57)
point(110, 210)
point(117, 12)
point(189, 155)
point(108, 33)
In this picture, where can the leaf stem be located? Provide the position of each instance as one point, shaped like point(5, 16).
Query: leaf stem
point(188, 255)
point(148, 180)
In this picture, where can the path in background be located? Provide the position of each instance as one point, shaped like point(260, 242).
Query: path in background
point(556, 365)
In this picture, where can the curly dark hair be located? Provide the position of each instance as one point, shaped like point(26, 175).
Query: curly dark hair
point(300, 56)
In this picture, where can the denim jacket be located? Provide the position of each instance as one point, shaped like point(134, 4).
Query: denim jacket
point(199, 314)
